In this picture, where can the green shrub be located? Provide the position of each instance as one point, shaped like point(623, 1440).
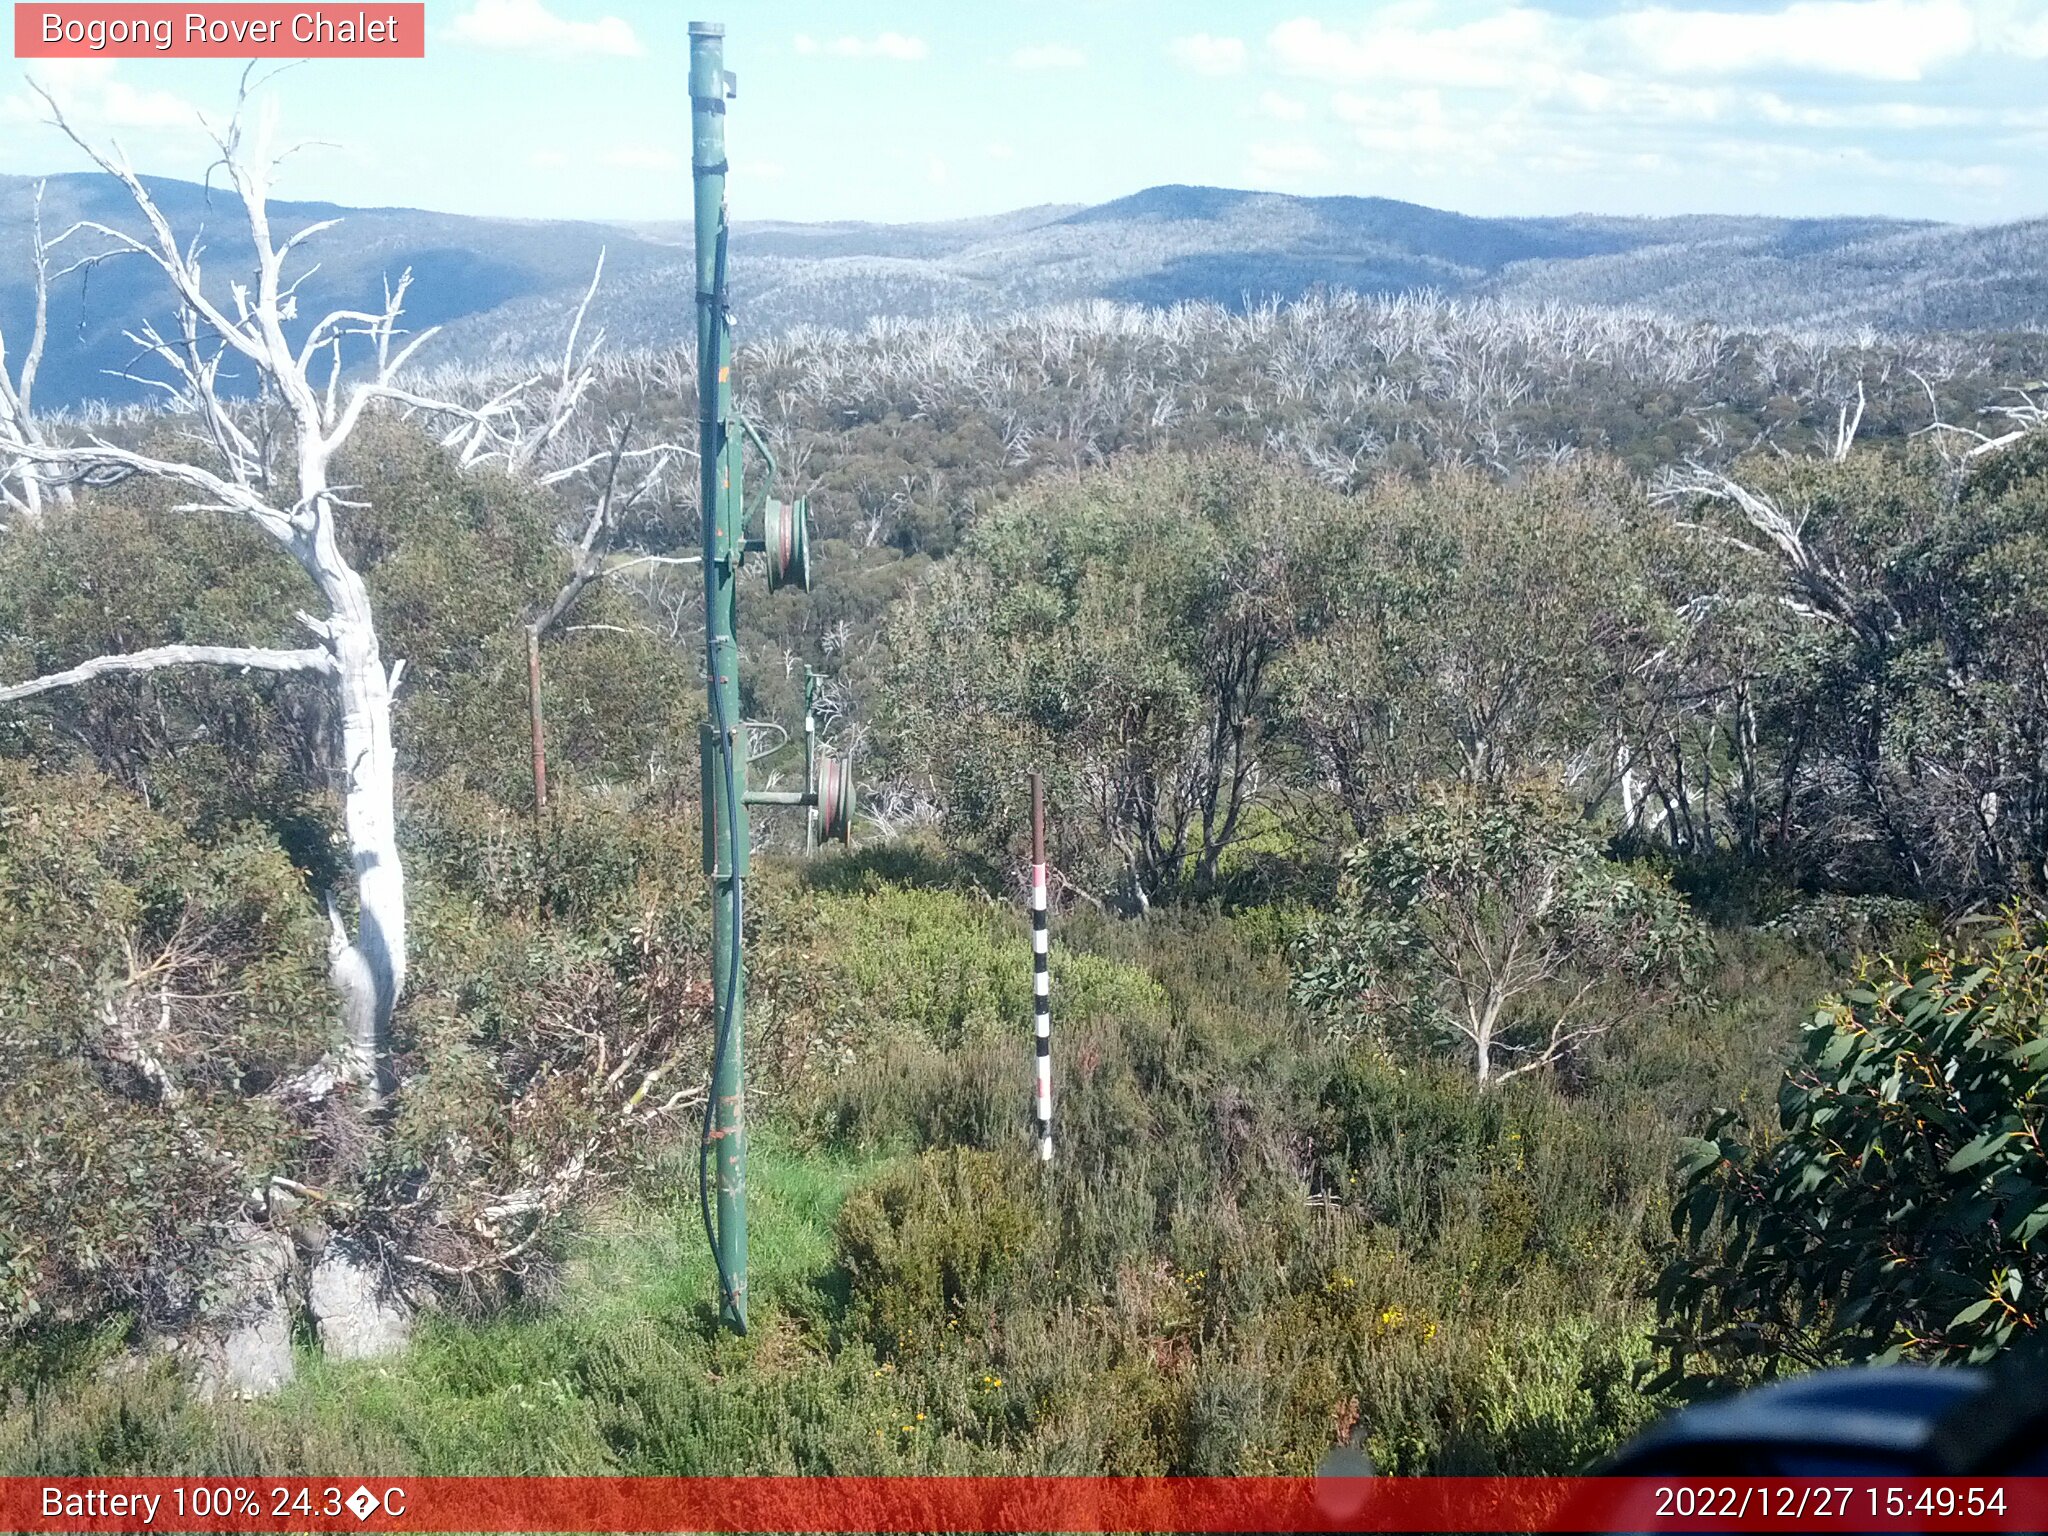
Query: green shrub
point(938, 1245)
point(152, 993)
point(1494, 925)
point(920, 1016)
point(949, 969)
point(1845, 928)
point(1900, 1209)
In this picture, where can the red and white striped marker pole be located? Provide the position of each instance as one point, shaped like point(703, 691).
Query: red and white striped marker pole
point(1041, 972)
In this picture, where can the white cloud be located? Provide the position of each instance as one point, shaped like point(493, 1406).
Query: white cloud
point(1207, 55)
point(1898, 116)
point(1772, 160)
point(937, 171)
point(1285, 162)
point(1423, 79)
point(1640, 100)
point(527, 26)
point(548, 160)
point(1049, 56)
point(1001, 151)
point(2027, 39)
point(1416, 126)
point(1869, 39)
point(1440, 94)
point(94, 96)
point(1517, 46)
point(889, 45)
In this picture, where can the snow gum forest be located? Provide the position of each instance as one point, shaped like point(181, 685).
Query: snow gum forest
point(1547, 818)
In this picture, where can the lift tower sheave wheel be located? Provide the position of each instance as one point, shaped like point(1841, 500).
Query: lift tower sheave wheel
point(835, 800)
point(786, 541)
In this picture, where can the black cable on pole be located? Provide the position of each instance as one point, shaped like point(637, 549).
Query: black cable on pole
point(726, 1007)
point(729, 1002)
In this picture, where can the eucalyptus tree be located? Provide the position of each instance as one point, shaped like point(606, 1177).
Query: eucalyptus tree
point(1492, 922)
point(1886, 710)
point(1897, 1209)
point(1119, 629)
point(619, 479)
point(1475, 632)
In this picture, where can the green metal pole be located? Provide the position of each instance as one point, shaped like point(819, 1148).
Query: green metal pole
point(725, 816)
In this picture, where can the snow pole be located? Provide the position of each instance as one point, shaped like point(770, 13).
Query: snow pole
point(1041, 971)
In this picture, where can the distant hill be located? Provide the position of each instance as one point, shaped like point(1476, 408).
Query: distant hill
point(503, 288)
point(460, 266)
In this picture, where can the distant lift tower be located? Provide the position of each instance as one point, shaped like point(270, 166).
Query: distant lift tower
point(828, 781)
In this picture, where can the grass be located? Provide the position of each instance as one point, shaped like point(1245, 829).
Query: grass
point(1252, 1237)
point(587, 1381)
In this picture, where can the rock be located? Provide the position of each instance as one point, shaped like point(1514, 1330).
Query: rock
point(358, 1315)
point(243, 1346)
point(256, 1358)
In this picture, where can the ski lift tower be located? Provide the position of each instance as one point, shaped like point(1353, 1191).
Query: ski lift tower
point(784, 543)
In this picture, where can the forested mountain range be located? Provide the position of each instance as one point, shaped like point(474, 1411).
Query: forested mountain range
point(502, 287)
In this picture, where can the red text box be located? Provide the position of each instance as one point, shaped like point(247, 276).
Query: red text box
point(393, 29)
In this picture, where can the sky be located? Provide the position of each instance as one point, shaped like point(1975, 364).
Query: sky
point(935, 109)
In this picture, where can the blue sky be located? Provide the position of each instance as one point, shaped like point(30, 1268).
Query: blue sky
point(924, 109)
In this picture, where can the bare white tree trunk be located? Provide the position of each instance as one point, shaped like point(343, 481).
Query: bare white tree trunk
point(17, 390)
point(371, 972)
point(1482, 1024)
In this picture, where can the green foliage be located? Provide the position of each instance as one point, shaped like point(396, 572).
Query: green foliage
point(1899, 1211)
point(911, 1034)
point(1494, 923)
point(1473, 630)
point(456, 564)
point(625, 1373)
point(939, 1245)
point(1853, 709)
point(121, 571)
point(1256, 1236)
point(1248, 1236)
point(1883, 675)
point(1846, 928)
point(152, 993)
point(1117, 630)
point(1250, 1241)
point(166, 1025)
point(948, 969)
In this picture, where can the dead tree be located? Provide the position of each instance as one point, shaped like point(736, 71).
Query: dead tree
point(592, 558)
point(237, 469)
point(22, 494)
point(1817, 588)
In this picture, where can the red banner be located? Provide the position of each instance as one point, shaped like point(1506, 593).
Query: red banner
point(1091, 1504)
point(382, 29)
